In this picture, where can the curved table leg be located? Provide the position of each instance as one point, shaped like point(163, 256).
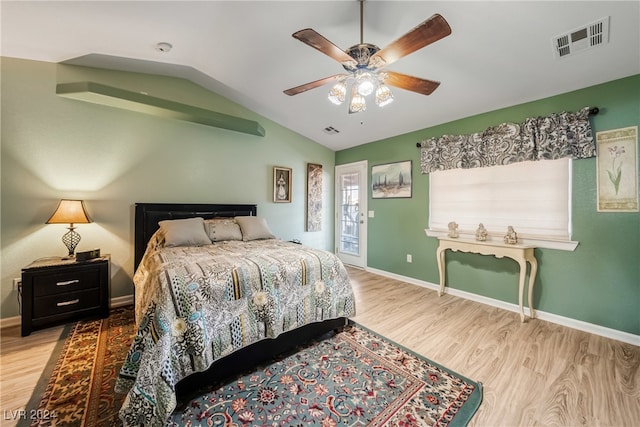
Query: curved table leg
point(532, 279)
point(440, 257)
point(523, 273)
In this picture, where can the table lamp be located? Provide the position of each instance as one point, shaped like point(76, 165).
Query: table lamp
point(71, 212)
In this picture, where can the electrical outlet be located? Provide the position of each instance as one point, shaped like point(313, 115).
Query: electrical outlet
point(17, 281)
point(409, 258)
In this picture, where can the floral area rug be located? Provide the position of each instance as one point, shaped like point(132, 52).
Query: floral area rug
point(354, 378)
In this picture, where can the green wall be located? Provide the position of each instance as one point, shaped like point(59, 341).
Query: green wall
point(54, 148)
point(597, 283)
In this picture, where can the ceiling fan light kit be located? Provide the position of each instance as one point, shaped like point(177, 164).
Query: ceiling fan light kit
point(364, 62)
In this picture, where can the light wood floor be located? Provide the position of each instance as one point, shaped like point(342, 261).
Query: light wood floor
point(534, 373)
point(22, 360)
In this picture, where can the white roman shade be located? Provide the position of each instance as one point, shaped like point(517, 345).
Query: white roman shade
point(534, 197)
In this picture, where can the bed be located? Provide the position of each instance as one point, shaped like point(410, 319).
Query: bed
point(208, 308)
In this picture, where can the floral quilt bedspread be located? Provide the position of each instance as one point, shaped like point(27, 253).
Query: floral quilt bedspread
point(197, 304)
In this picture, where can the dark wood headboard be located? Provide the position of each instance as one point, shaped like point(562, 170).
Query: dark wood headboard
point(148, 215)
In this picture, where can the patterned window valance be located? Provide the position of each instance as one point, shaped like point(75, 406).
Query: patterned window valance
point(540, 138)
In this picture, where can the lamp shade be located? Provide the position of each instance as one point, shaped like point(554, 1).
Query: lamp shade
point(338, 93)
point(70, 212)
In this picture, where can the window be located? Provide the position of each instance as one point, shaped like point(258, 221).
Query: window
point(534, 197)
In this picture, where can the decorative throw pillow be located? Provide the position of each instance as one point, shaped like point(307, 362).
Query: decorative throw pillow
point(223, 229)
point(254, 228)
point(184, 232)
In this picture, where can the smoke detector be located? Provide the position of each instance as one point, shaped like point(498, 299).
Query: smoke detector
point(164, 47)
point(582, 38)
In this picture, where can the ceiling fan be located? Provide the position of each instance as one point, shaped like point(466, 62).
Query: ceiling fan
point(364, 61)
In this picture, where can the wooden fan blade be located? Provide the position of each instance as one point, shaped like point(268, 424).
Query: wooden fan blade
point(431, 30)
point(316, 41)
point(414, 84)
point(312, 85)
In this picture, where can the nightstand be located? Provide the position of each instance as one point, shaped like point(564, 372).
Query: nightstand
point(57, 290)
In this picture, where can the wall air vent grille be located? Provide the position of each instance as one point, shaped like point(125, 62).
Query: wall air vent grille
point(582, 38)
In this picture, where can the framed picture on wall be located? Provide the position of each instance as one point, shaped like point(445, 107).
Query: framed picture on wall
point(617, 170)
point(391, 180)
point(281, 184)
point(314, 197)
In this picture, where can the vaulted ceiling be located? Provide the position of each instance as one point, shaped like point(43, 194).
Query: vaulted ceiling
point(499, 54)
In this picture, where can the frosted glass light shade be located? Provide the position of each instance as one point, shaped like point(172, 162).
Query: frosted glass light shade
point(357, 104)
point(383, 96)
point(365, 86)
point(338, 93)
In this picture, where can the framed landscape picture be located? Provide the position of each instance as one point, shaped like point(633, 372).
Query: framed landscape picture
point(281, 184)
point(617, 170)
point(391, 180)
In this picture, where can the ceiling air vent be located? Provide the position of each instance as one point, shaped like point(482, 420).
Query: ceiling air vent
point(582, 38)
point(331, 130)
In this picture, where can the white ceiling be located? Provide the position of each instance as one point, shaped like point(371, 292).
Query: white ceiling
point(498, 55)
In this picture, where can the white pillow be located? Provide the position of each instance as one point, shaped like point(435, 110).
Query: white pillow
point(223, 229)
point(184, 232)
point(254, 228)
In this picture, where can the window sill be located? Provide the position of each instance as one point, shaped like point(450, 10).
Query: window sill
point(563, 245)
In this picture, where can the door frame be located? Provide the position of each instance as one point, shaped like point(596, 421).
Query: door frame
point(363, 196)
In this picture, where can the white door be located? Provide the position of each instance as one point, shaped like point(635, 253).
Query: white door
point(351, 213)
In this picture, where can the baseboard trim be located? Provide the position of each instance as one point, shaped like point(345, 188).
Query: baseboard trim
point(10, 322)
point(550, 317)
point(121, 301)
point(115, 303)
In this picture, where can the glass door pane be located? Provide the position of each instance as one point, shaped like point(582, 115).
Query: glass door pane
point(349, 213)
point(350, 220)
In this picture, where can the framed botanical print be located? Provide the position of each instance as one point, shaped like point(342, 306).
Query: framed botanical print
point(281, 184)
point(617, 170)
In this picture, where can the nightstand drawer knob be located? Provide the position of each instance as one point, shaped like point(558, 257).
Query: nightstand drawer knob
point(73, 301)
point(68, 282)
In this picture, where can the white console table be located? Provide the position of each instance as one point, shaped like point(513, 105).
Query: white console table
point(519, 253)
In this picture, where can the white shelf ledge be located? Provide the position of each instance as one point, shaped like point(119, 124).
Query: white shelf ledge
point(562, 245)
